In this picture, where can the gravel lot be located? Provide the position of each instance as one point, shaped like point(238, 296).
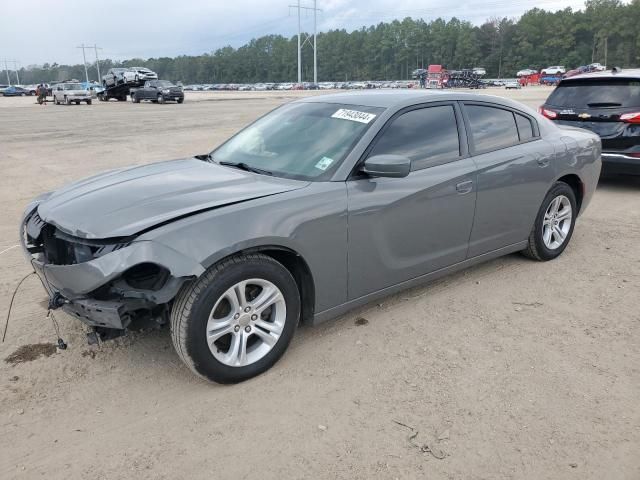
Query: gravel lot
point(512, 369)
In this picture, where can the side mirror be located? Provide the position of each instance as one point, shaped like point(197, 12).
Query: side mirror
point(395, 166)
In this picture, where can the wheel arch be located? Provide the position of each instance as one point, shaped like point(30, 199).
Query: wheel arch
point(577, 185)
point(296, 265)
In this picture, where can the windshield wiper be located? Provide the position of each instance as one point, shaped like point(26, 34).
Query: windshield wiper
point(245, 167)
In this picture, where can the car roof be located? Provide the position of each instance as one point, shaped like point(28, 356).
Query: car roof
point(626, 73)
point(404, 98)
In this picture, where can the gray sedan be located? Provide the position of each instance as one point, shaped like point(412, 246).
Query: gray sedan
point(320, 206)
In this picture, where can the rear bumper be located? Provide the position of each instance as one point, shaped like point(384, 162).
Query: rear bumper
point(619, 163)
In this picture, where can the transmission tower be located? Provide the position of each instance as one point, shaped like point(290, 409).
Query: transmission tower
point(302, 43)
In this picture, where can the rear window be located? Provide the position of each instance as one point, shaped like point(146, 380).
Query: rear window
point(491, 128)
point(597, 93)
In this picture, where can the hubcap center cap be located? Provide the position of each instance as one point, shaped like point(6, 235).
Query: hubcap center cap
point(244, 320)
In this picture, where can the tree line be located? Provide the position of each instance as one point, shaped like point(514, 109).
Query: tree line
point(605, 31)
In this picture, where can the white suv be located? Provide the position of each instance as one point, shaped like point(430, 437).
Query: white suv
point(69, 93)
point(554, 70)
point(138, 74)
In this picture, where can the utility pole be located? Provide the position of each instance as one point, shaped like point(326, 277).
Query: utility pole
point(299, 48)
point(6, 67)
point(84, 57)
point(15, 69)
point(315, 45)
point(301, 43)
point(96, 48)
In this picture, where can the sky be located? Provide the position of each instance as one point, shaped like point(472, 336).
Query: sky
point(50, 31)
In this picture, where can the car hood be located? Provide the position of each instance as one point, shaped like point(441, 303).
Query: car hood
point(124, 202)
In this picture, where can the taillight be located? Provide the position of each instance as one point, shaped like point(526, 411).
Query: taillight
point(547, 113)
point(630, 117)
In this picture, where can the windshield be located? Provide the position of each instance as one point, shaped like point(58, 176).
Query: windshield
point(610, 92)
point(305, 141)
point(163, 83)
point(73, 86)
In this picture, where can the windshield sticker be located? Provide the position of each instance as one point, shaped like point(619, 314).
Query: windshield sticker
point(354, 115)
point(324, 163)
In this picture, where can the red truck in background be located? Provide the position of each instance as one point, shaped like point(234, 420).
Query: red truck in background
point(436, 77)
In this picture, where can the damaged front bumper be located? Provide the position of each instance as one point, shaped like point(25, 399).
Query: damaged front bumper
point(104, 283)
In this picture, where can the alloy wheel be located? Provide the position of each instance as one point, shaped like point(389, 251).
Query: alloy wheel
point(557, 222)
point(246, 322)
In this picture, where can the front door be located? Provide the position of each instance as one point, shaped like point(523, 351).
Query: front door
point(402, 228)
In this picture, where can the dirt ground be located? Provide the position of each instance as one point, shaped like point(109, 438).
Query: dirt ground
point(510, 370)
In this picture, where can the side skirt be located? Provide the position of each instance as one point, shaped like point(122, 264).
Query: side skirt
point(423, 279)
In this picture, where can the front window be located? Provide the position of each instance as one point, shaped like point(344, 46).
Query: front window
point(73, 86)
point(163, 84)
point(306, 141)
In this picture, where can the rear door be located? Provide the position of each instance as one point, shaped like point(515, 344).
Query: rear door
point(515, 168)
point(402, 228)
point(596, 104)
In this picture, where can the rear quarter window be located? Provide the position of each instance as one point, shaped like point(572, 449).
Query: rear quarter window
point(525, 127)
point(597, 93)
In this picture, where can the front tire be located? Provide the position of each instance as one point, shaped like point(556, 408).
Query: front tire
point(237, 319)
point(554, 224)
point(160, 98)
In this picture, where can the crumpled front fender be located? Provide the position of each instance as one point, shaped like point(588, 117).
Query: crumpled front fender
point(77, 280)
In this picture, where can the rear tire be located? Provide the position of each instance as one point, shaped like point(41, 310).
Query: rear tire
point(204, 336)
point(554, 224)
point(89, 102)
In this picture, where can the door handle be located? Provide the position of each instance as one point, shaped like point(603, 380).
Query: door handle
point(464, 187)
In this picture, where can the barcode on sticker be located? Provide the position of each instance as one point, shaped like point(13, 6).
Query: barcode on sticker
point(354, 115)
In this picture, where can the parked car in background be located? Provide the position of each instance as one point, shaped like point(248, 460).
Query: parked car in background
point(526, 72)
point(557, 70)
point(512, 84)
point(3, 87)
point(321, 206)
point(94, 88)
point(71, 92)
point(608, 104)
point(480, 71)
point(598, 67)
point(114, 76)
point(15, 91)
point(138, 74)
point(157, 91)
